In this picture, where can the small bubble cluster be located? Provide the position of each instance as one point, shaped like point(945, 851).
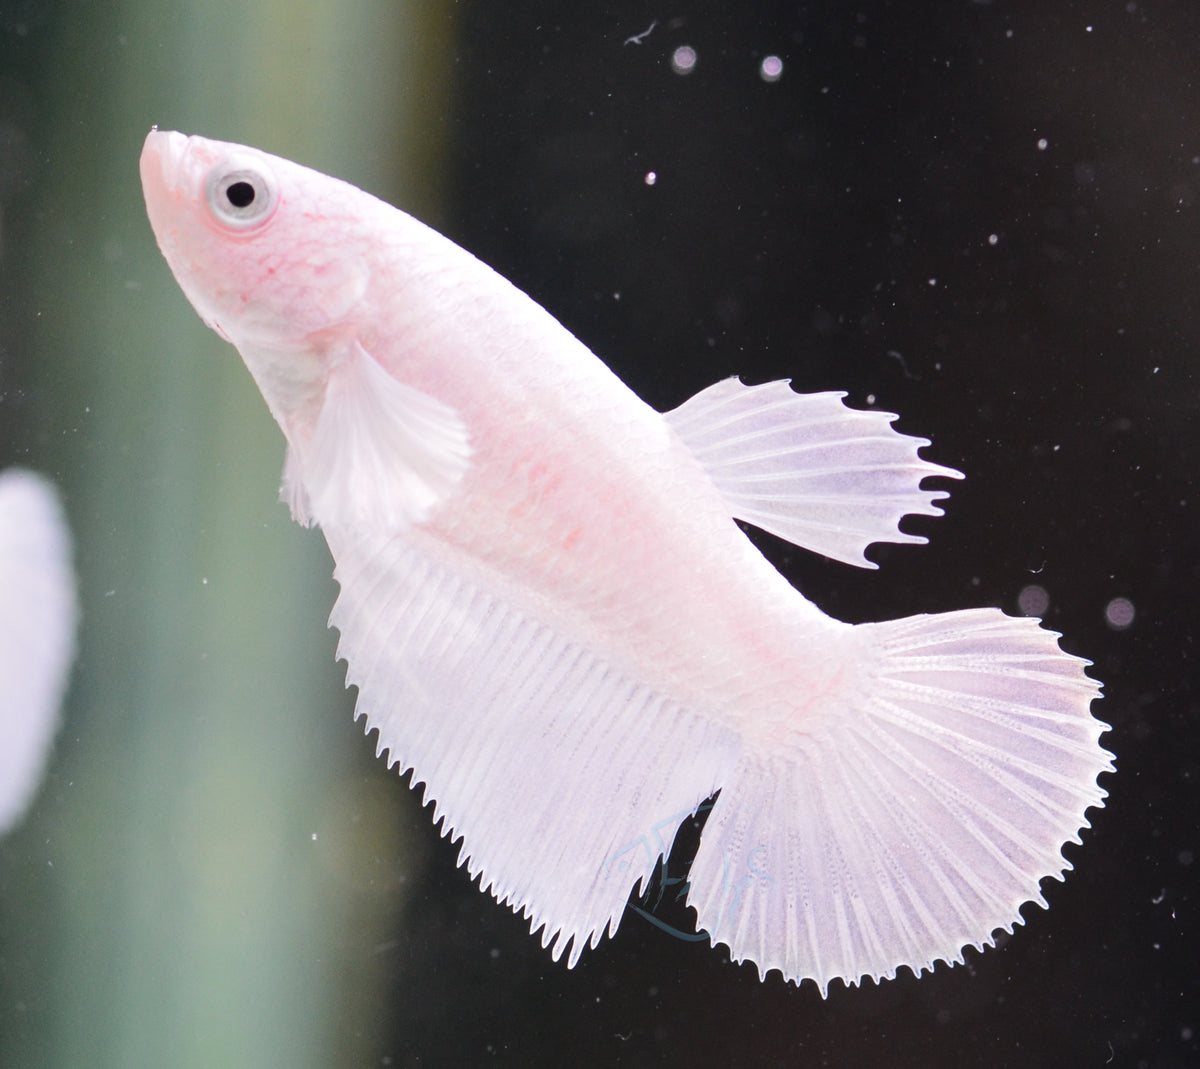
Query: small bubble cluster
point(684, 59)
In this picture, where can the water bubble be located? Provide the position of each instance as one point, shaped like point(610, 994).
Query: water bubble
point(1119, 613)
point(770, 69)
point(1033, 600)
point(650, 178)
point(1042, 144)
point(683, 59)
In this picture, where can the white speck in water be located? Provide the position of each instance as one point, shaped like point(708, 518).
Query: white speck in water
point(770, 69)
point(1033, 600)
point(993, 239)
point(638, 38)
point(1042, 144)
point(314, 836)
point(933, 281)
point(870, 399)
point(1119, 613)
point(683, 59)
point(650, 178)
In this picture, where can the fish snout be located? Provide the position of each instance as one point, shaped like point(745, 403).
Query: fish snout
point(162, 161)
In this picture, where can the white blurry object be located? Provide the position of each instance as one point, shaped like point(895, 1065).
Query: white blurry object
point(37, 633)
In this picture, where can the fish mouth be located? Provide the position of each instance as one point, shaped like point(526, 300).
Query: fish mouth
point(162, 159)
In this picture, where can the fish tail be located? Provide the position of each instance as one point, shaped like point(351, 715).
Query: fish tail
point(920, 811)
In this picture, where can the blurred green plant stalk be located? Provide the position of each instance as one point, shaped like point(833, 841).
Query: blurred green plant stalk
point(212, 858)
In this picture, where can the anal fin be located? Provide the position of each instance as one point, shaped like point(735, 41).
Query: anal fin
point(564, 778)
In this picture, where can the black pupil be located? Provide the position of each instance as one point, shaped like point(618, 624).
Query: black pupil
point(240, 194)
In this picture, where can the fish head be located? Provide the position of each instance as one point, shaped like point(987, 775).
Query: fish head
point(275, 257)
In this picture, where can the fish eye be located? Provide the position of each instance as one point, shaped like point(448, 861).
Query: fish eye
point(242, 194)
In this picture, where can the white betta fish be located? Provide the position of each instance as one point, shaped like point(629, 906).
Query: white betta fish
point(552, 618)
point(37, 633)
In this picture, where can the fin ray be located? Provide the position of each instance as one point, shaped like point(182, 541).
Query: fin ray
point(381, 456)
point(564, 778)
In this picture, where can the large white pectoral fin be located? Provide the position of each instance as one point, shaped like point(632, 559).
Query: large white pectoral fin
point(807, 468)
point(381, 456)
point(565, 778)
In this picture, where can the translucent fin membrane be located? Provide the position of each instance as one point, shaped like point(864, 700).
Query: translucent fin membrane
point(564, 778)
point(807, 468)
point(381, 456)
point(934, 796)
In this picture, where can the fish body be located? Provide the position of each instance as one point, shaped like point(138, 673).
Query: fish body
point(553, 619)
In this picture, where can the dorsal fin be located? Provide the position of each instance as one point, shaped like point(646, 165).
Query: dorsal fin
point(807, 468)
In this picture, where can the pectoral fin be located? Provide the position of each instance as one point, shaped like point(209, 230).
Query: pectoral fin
point(381, 456)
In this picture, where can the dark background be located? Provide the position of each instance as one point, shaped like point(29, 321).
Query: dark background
point(795, 230)
point(885, 220)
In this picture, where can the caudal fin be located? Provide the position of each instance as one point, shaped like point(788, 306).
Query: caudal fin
point(918, 817)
